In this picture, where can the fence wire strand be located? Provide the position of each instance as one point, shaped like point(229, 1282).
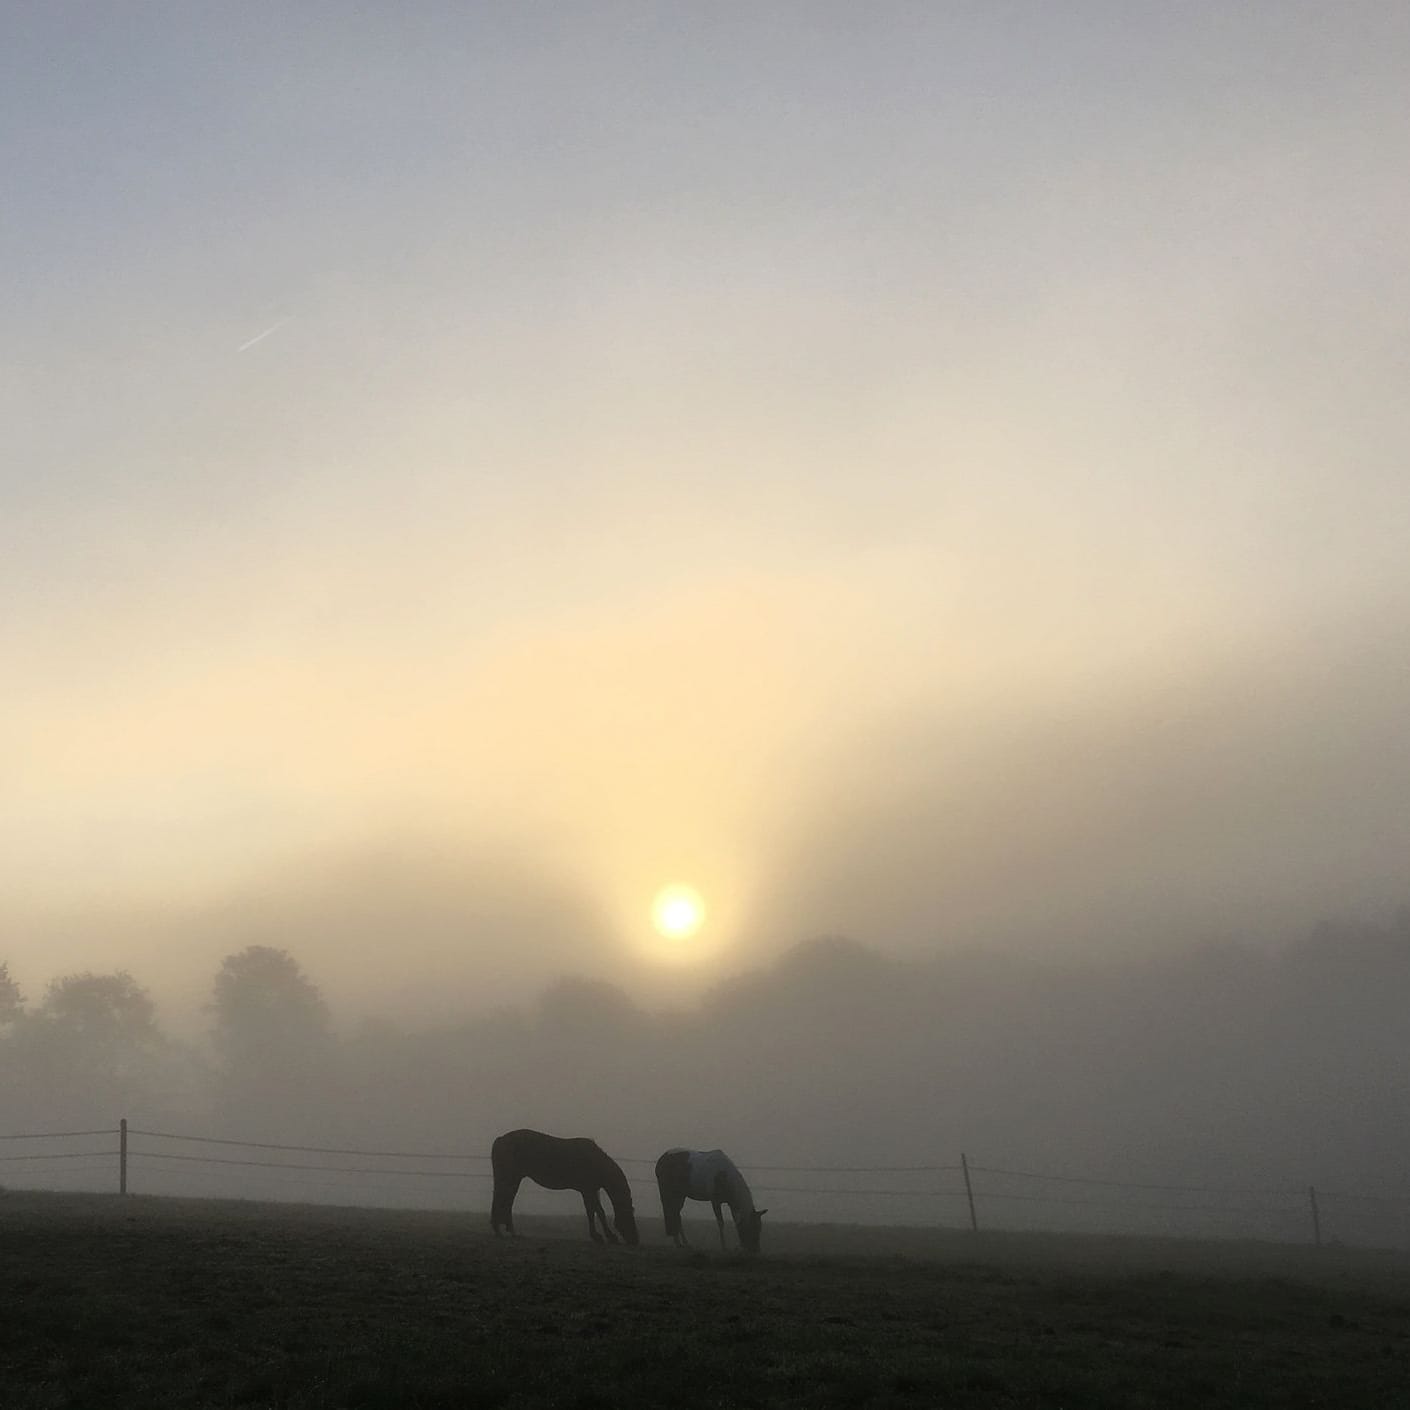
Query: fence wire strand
point(1373, 1199)
point(54, 1135)
point(308, 1150)
point(293, 1165)
point(59, 1155)
point(1132, 1184)
point(1136, 1205)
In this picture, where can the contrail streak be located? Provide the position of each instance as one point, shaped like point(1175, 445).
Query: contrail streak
point(260, 337)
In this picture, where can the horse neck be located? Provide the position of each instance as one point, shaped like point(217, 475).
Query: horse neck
point(741, 1199)
point(615, 1183)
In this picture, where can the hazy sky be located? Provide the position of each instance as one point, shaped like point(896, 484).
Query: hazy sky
point(936, 471)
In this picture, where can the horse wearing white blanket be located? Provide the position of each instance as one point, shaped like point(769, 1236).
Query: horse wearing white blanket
point(708, 1176)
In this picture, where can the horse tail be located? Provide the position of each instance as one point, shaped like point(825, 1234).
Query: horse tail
point(504, 1164)
point(671, 1182)
point(669, 1211)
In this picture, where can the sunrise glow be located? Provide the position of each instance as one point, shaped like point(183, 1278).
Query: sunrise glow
point(677, 912)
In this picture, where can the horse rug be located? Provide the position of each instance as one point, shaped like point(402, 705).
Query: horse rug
point(706, 1167)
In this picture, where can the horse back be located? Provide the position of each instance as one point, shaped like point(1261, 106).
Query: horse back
point(702, 1175)
point(710, 1175)
point(513, 1148)
point(556, 1162)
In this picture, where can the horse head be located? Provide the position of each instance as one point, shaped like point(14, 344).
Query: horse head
point(750, 1228)
point(624, 1218)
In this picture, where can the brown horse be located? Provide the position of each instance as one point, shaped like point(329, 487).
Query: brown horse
point(561, 1163)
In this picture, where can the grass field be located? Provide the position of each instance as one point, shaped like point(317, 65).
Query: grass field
point(112, 1303)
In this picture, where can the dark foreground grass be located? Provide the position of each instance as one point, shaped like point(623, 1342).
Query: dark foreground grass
point(171, 1303)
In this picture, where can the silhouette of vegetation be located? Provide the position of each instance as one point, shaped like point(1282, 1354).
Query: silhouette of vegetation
point(91, 1047)
point(589, 1011)
point(271, 1037)
point(265, 1007)
point(11, 999)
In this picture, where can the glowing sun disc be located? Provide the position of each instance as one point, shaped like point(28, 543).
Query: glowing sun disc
point(677, 912)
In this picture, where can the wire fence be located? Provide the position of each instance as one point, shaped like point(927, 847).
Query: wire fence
point(942, 1194)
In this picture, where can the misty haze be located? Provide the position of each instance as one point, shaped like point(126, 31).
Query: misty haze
point(816, 594)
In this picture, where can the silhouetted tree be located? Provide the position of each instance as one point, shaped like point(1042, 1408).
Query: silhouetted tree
point(593, 1010)
point(830, 976)
point(11, 1077)
point(262, 999)
point(271, 1037)
point(11, 1000)
point(92, 1047)
point(101, 1019)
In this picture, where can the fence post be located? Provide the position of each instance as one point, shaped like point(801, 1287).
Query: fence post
point(969, 1193)
point(122, 1156)
point(1316, 1218)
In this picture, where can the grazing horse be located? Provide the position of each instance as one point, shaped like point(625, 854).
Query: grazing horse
point(713, 1176)
point(561, 1163)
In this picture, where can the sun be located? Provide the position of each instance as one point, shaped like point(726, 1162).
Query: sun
point(677, 912)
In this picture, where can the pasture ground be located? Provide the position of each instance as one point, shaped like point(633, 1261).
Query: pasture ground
point(167, 1303)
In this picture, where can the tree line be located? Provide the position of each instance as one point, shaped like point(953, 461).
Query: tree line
point(1218, 1064)
point(92, 1047)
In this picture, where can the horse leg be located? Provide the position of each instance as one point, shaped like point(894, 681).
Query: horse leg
point(502, 1204)
point(602, 1218)
point(675, 1230)
point(594, 1211)
point(719, 1220)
